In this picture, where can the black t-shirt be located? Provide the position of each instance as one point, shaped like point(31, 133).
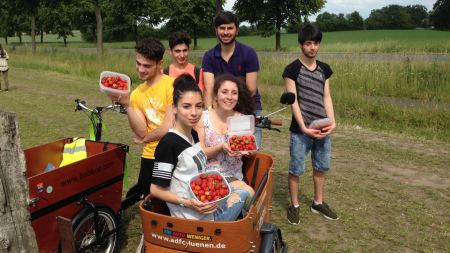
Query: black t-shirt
point(310, 88)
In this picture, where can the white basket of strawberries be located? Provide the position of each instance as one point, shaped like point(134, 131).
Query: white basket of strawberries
point(114, 83)
point(209, 187)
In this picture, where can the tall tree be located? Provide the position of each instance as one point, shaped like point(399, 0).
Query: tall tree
point(390, 17)
point(355, 21)
point(56, 17)
point(190, 16)
point(419, 15)
point(440, 15)
point(271, 15)
point(133, 14)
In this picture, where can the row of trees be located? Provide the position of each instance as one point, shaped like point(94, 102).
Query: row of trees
point(388, 17)
point(117, 20)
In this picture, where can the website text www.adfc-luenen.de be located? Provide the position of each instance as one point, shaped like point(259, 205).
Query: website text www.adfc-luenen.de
point(189, 243)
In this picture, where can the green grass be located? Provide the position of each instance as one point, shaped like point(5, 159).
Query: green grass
point(384, 41)
point(389, 180)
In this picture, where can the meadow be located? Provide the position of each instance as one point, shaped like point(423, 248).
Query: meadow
point(378, 41)
point(389, 180)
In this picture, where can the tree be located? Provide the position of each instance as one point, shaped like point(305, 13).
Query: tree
point(190, 16)
point(271, 15)
point(390, 17)
point(355, 21)
point(440, 15)
point(56, 18)
point(133, 15)
point(419, 15)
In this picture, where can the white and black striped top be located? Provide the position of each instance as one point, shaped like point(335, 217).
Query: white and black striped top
point(310, 88)
point(177, 160)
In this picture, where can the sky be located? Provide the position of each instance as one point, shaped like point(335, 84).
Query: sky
point(364, 7)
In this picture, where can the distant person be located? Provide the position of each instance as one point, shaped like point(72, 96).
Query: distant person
point(4, 68)
point(179, 157)
point(179, 43)
point(230, 56)
point(149, 109)
point(308, 78)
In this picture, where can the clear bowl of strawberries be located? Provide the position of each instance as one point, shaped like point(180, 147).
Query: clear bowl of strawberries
point(240, 134)
point(114, 83)
point(209, 187)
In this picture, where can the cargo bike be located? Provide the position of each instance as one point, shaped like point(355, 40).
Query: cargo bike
point(88, 193)
point(251, 232)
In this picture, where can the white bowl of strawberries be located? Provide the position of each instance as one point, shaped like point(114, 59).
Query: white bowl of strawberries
point(209, 187)
point(114, 83)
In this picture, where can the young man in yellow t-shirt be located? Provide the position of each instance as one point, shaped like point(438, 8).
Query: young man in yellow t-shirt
point(149, 108)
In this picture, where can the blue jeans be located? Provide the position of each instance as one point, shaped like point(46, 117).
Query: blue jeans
point(300, 145)
point(258, 131)
point(225, 213)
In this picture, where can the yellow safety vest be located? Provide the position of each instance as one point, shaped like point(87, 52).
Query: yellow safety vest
point(74, 151)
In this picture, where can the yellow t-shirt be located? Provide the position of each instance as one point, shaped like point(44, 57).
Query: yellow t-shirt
point(153, 101)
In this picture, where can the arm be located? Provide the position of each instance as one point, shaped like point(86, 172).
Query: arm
point(166, 195)
point(290, 86)
point(251, 82)
point(214, 150)
point(208, 81)
point(160, 131)
point(328, 104)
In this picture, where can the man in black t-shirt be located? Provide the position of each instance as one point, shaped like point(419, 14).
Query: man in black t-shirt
point(308, 78)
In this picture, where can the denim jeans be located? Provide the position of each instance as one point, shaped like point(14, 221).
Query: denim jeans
point(225, 213)
point(301, 145)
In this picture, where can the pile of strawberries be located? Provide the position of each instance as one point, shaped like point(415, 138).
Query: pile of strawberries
point(242, 143)
point(115, 82)
point(209, 187)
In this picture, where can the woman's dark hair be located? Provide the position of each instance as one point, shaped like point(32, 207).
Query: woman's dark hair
point(309, 32)
point(151, 49)
point(182, 84)
point(245, 104)
point(177, 38)
point(226, 17)
point(2, 52)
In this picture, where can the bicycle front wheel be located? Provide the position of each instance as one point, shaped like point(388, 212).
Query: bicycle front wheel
point(85, 233)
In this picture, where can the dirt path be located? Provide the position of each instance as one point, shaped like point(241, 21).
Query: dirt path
point(392, 193)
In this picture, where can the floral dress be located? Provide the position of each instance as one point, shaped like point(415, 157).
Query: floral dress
point(222, 162)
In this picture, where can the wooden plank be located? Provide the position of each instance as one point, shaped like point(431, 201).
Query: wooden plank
point(66, 234)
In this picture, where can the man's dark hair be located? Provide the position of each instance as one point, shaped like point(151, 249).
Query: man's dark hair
point(226, 17)
point(309, 32)
point(178, 38)
point(151, 49)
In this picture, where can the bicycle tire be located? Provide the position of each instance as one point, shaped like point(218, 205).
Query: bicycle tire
point(85, 234)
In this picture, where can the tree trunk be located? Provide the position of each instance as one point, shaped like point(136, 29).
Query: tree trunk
point(195, 38)
point(20, 37)
point(42, 36)
point(219, 6)
point(98, 18)
point(33, 33)
point(6, 39)
point(65, 41)
point(16, 233)
point(278, 39)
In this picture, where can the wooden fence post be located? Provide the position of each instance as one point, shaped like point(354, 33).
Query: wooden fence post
point(16, 233)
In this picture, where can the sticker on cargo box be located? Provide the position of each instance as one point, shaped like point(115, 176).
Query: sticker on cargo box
point(187, 235)
point(49, 189)
point(40, 187)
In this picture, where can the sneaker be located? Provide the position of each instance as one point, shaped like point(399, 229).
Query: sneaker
point(324, 210)
point(293, 214)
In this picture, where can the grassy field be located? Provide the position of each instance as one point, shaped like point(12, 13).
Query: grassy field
point(389, 181)
point(385, 41)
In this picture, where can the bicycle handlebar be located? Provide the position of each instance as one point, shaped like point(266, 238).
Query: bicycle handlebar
point(81, 105)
